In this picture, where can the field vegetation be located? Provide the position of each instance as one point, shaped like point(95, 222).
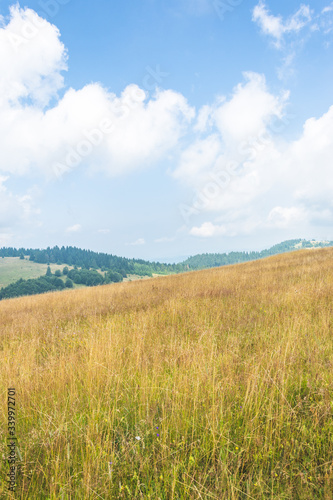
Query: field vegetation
point(215, 384)
point(13, 268)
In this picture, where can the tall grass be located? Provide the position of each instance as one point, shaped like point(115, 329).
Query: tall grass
point(209, 385)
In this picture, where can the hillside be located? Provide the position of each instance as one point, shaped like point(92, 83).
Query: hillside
point(34, 265)
point(215, 384)
point(209, 260)
point(13, 268)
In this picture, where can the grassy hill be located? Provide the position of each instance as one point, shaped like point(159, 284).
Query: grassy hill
point(209, 260)
point(13, 268)
point(215, 384)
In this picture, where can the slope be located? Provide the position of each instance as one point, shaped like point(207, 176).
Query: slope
point(210, 384)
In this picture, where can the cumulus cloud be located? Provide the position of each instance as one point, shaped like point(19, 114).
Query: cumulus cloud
point(237, 128)
point(244, 175)
point(91, 125)
point(250, 109)
point(264, 181)
point(31, 59)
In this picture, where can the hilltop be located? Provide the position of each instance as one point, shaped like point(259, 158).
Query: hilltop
point(210, 384)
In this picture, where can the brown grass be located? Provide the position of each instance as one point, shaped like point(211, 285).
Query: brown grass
point(233, 365)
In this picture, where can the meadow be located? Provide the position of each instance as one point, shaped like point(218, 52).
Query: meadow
point(13, 268)
point(215, 384)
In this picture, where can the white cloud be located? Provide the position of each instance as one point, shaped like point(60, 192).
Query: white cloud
point(276, 26)
point(246, 176)
point(284, 217)
point(104, 231)
point(31, 58)
point(264, 181)
point(238, 128)
point(73, 130)
point(138, 242)
point(208, 230)
point(74, 229)
point(249, 110)
point(197, 157)
point(327, 9)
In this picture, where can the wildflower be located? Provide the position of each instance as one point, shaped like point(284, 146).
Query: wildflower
point(138, 438)
point(158, 435)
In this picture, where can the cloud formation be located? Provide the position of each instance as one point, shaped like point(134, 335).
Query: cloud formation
point(276, 26)
point(91, 126)
point(246, 175)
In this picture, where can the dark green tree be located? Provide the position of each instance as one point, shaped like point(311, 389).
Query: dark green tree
point(69, 283)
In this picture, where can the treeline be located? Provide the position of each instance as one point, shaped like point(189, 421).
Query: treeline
point(206, 261)
point(87, 259)
point(34, 287)
point(50, 282)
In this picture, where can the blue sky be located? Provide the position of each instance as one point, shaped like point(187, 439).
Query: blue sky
point(161, 128)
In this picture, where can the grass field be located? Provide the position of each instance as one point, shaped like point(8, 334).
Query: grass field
point(216, 384)
point(13, 268)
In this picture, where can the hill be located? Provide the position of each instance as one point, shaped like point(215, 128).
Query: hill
point(13, 268)
point(30, 264)
point(210, 384)
point(206, 261)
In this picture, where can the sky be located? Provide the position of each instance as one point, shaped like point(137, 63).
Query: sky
point(161, 129)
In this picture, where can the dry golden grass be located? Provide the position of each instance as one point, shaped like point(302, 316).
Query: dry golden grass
point(232, 367)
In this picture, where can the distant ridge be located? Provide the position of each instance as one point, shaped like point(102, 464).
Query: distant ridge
point(88, 259)
point(209, 260)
